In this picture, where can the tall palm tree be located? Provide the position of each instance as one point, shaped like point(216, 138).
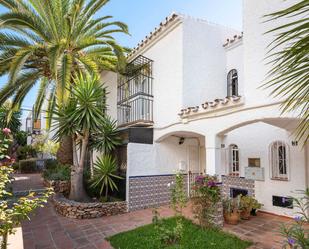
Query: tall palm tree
point(289, 76)
point(48, 41)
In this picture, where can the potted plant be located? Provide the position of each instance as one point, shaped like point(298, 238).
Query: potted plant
point(231, 210)
point(247, 203)
point(256, 205)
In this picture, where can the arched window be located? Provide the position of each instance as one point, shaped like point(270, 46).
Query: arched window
point(279, 160)
point(232, 83)
point(234, 159)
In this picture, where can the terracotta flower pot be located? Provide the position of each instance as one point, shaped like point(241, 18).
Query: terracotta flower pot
point(231, 218)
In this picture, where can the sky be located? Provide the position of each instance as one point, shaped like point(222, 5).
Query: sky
point(142, 16)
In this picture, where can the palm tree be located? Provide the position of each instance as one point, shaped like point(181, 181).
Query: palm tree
point(48, 42)
point(289, 76)
point(78, 118)
point(9, 119)
point(105, 169)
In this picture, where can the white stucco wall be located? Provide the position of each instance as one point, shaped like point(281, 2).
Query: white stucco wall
point(255, 46)
point(204, 60)
point(167, 73)
point(158, 158)
point(110, 82)
point(253, 142)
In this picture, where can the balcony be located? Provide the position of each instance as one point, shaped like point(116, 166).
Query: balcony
point(135, 94)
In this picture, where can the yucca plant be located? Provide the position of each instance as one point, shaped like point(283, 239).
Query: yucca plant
point(106, 138)
point(105, 169)
point(289, 76)
point(78, 118)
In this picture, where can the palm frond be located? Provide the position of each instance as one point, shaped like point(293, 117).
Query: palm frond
point(288, 55)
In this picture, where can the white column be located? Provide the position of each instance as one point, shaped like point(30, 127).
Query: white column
point(213, 150)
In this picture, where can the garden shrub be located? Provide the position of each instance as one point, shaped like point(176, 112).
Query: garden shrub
point(296, 234)
point(206, 196)
point(28, 165)
point(25, 152)
point(21, 138)
point(15, 166)
point(58, 173)
point(172, 235)
point(51, 164)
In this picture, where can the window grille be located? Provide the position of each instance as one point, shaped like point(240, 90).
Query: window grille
point(279, 160)
point(234, 159)
point(232, 83)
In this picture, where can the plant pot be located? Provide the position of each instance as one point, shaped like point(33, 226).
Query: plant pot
point(231, 218)
point(245, 214)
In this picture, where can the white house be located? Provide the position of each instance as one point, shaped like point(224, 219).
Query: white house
point(192, 100)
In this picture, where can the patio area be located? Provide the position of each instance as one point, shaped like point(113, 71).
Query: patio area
point(48, 230)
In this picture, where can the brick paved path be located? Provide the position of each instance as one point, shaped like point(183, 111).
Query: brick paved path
point(48, 230)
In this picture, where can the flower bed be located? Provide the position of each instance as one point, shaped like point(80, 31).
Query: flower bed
point(79, 210)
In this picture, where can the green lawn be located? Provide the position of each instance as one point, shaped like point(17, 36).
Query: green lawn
point(194, 238)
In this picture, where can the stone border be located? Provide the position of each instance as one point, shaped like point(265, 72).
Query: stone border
point(79, 210)
point(58, 186)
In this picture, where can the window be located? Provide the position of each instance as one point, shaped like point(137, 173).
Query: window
point(232, 83)
point(279, 160)
point(234, 159)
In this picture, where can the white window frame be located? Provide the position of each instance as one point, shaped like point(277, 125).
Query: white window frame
point(234, 164)
point(276, 160)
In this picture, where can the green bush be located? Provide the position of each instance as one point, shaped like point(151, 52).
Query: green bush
point(28, 165)
point(58, 173)
point(15, 166)
point(25, 152)
point(21, 138)
point(51, 164)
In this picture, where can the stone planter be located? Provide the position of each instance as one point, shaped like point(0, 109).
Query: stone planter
point(79, 210)
point(58, 186)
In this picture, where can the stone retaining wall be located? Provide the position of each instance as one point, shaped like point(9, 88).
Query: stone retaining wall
point(58, 186)
point(79, 210)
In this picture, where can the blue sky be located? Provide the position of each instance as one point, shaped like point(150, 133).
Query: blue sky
point(142, 16)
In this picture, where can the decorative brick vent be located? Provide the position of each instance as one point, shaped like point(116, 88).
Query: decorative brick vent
point(239, 183)
point(79, 210)
point(150, 191)
point(58, 186)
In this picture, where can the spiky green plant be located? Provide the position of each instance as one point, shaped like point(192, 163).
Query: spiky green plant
point(48, 41)
point(289, 76)
point(105, 169)
point(78, 118)
point(106, 138)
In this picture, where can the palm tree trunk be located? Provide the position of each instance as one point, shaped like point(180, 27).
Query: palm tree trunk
point(77, 192)
point(65, 151)
point(106, 192)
